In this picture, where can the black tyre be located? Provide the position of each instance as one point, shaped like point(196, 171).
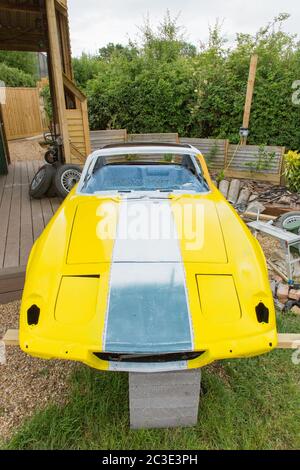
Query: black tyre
point(52, 190)
point(66, 177)
point(41, 181)
point(50, 157)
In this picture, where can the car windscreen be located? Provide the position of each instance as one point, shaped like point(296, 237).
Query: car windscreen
point(143, 177)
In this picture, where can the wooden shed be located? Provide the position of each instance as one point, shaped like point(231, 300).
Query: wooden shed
point(42, 26)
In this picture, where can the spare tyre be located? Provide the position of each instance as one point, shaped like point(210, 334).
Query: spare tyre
point(65, 178)
point(41, 181)
point(289, 221)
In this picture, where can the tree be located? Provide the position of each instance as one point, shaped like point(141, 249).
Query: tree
point(85, 68)
point(162, 84)
point(13, 77)
point(25, 61)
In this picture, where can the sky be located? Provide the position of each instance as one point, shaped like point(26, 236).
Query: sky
point(94, 23)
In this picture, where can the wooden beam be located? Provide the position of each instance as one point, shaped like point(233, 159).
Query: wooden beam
point(270, 177)
point(11, 338)
point(277, 270)
point(249, 95)
point(57, 76)
point(253, 215)
point(86, 127)
point(61, 7)
point(77, 154)
point(288, 341)
point(65, 45)
point(17, 7)
point(23, 46)
point(73, 88)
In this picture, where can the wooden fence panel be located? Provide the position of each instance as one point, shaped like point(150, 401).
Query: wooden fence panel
point(107, 137)
point(22, 114)
point(238, 156)
point(167, 138)
point(213, 150)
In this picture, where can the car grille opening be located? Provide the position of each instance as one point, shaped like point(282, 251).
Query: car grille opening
point(148, 357)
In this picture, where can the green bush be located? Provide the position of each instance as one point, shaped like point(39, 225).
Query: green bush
point(13, 77)
point(165, 84)
point(292, 170)
point(25, 61)
point(85, 68)
point(46, 95)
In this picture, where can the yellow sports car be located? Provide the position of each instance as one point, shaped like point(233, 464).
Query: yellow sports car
point(146, 267)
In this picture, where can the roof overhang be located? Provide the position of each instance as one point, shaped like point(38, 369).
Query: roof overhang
point(23, 25)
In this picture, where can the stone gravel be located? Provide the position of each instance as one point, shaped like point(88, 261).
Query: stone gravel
point(27, 384)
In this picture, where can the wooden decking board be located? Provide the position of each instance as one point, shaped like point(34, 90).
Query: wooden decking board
point(46, 210)
point(36, 208)
point(11, 284)
point(26, 236)
point(5, 212)
point(2, 184)
point(12, 249)
point(22, 220)
point(55, 203)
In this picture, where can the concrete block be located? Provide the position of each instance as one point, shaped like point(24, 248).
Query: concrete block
point(256, 207)
point(244, 196)
point(234, 191)
point(223, 187)
point(162, 400)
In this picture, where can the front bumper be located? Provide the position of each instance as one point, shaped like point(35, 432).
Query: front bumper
point(231, 348)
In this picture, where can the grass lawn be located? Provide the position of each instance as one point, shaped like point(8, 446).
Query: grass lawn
point(245, 404)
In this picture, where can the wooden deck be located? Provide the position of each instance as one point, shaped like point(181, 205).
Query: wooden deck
point(22, 220)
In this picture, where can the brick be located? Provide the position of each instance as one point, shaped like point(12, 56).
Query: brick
point(296, 310)
point(283, 293)
point(294, 294)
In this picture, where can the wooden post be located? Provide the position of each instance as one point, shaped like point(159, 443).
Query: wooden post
point(249, 95)
point(57, 76)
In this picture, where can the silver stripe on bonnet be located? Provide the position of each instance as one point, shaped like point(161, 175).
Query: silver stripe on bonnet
point(148, 308)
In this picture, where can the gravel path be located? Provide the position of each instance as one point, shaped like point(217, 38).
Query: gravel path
point(27, 384)
point(26, 149)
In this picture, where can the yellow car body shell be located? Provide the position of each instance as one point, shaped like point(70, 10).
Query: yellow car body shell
point(68, 278)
